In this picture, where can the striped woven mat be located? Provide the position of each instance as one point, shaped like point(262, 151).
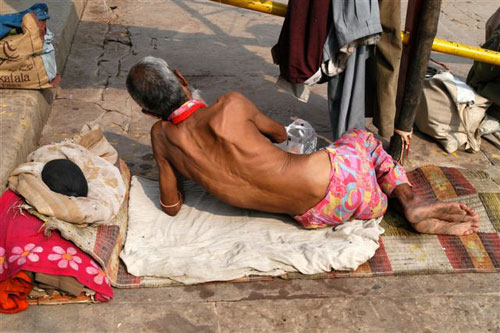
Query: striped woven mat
point(402, 250)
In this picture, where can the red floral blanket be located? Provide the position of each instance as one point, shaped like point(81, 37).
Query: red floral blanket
point(23, 246)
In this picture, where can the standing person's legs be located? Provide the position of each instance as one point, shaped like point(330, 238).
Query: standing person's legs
point(383, 69)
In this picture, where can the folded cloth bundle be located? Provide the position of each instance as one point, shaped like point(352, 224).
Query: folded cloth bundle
point(13, 293)
point(106, 190)
point(103, 242)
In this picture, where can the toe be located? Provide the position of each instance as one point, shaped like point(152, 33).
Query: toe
point(461, 229)
point(475, 217)
point(467, 209)
point(471, 230)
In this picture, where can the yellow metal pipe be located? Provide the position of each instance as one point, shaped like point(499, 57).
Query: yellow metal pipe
point(466, 51)
point(264, 6)
point(460, 50)
point(439, 45)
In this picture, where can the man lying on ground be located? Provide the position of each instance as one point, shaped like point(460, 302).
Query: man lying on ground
point(227, 148)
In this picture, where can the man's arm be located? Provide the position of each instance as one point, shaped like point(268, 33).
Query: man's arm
point(275, 131)
point(170, 197)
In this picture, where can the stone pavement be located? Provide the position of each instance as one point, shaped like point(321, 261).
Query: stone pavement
point(221, 48)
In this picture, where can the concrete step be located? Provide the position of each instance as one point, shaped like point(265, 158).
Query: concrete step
point(23, 113)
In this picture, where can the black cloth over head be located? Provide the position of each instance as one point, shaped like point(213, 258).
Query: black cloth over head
point(65, 177)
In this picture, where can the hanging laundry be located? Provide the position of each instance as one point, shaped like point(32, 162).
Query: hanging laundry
point(328, 40)
point(299, 51)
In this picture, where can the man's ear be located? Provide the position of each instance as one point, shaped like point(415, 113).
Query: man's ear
point(181, 78)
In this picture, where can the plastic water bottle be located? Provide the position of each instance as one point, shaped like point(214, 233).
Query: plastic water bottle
point(301, 138)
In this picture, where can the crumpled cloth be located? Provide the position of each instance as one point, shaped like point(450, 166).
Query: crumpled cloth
point(209, 240)
point(13, 293)
point(106, 188)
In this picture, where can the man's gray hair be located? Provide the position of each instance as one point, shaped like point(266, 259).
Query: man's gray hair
point(154, 86)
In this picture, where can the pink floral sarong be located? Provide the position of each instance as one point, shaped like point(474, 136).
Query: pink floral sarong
point(361, 178)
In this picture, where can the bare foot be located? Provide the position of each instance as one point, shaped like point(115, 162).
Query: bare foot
point(443, 218)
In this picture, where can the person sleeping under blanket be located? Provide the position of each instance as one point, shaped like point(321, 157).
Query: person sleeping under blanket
point(227, 148)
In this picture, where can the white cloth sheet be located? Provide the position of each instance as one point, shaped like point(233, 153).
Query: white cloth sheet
point(209, 240)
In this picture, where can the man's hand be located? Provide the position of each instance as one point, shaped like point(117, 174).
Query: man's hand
point(273, 130)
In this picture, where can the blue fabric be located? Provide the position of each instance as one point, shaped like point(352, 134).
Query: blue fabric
point(15, 20)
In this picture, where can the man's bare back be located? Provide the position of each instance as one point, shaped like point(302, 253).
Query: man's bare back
point(227, 148)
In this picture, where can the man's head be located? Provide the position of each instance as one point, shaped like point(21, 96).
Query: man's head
point(156, 87)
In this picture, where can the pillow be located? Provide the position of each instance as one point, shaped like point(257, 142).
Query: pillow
point(106, 189)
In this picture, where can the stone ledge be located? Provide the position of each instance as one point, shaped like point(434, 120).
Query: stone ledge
point(22, 116)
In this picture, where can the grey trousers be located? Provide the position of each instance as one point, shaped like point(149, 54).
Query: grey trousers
point(346, 94)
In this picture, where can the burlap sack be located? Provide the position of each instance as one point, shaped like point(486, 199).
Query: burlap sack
point(105, 183)
point(444, 113)
point(21, 64)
